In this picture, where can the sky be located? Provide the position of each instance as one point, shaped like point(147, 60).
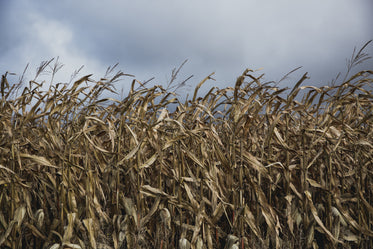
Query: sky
point(150, 38)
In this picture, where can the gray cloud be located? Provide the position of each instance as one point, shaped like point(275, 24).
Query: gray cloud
point(150, 38)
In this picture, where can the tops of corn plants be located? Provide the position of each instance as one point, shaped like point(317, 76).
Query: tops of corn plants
point(248, 166)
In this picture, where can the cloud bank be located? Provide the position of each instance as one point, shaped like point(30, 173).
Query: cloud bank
point(150, 38)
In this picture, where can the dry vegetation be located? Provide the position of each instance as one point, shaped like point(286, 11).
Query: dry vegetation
point(249, 166)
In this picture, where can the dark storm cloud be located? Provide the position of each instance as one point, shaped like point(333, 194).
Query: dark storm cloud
point(149, 38)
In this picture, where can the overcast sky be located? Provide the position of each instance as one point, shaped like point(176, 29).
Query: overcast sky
point(151, 37)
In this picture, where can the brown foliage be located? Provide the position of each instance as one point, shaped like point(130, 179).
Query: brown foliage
point(241, 167)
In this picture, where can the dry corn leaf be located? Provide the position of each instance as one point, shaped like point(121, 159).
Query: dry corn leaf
point(20, 214)
point(89, 225)
point(71, 246)
point(351, 237)
point(184, 243)
point(193, 202)
point(255, 164)
point(36, 232)
point(38, 159)
point(149, 190)
point(149, 162)
point(165, 217)
point(347, 217)
point(151, 212)
point(55, 246)
point(366, 203)
point(318, 220)
point(194, 158)
point(197, 226)
point(250, 220)
point(68, 234)
point(315, 184)
point(5, 235)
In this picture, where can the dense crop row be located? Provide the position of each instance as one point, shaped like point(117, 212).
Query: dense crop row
point(248, 166)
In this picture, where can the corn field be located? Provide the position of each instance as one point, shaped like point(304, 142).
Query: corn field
point(248, 166)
